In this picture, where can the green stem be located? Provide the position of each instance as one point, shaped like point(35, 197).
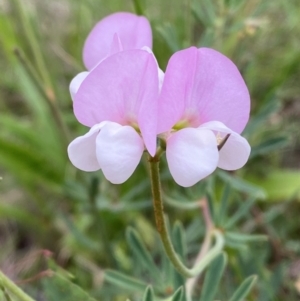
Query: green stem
point(161, 226)
point(34, 44)
point(4, 291)
point(138, 7)
point(8, 284)
point(190, 283)
point(211, 254)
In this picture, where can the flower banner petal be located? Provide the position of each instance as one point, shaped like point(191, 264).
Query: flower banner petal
point(134, 33)
point(203, 85)
point(235, 152)
point(192, 155)
point(119, 151)
point(224, 94)
point(116, 45)
point(123, 89)
point(82, 150)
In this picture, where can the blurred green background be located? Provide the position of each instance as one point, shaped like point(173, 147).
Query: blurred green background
point(46, 204)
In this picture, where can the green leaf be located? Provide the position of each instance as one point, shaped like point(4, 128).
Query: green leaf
point(136, 191)
point(243, 290)
point(7, 36)
point(241, 185)
point(18, 214)
point(223, 204)
point(213, 277)
point(58, 287)
point(53, 267)
point(244, 238)
point(141, 253)
point(82, 239)
point(280, 184)
point(149, 294)
point(268, 146)
point(204, 11)
point(124, 281)
point(211, 205)
point(178, 295)
point(256, 122)
point(236, 245)
point(178, 239)
point(169, 34)
point(183, 203)
point(240, 213)
point(28, 164)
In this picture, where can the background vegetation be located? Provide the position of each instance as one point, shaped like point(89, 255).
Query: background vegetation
point(80, 218)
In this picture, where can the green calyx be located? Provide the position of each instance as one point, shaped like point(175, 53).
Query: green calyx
point(181, 125)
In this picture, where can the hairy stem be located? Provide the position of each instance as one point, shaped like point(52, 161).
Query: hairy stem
point(163, 231)
point(160, 218)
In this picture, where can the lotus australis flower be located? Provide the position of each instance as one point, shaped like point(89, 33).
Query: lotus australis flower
point(115, 33)
point(118, 100)
point(203, 102)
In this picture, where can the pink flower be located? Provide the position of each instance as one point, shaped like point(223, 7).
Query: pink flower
point(203, 99)
point(116, 32)
point(118, 99)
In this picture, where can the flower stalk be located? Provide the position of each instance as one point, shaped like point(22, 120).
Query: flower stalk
point(138, 7)
point(13, 288)
point(161, 226)
point(190, 283)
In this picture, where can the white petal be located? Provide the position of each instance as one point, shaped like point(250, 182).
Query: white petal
point(161, 76)
point(235, 152)
point(192, 155)
point(76, 82)
point(82, 150)
point(119, 151)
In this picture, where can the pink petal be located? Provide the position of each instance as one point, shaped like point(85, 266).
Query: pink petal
point(116, 45)
point(119, 151)
point(161, 74)
point(192, 155)
point(203, 85)
point(134, 32)
point(123, 89)
point(82, 150)
point(172, 96)
point(235, 152)
point(76, 82)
